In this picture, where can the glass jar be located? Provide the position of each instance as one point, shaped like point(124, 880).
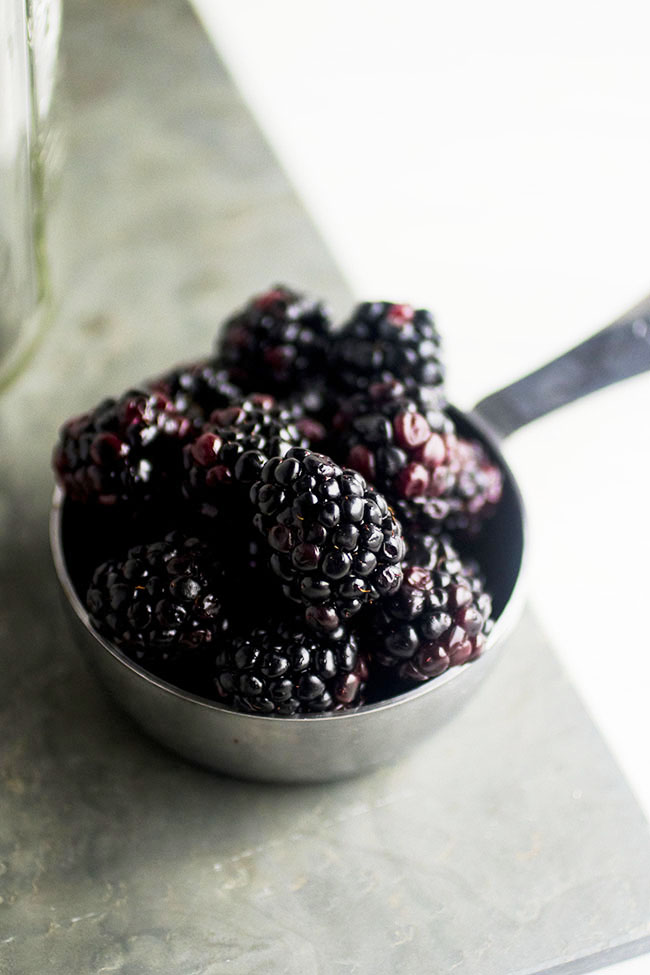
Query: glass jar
point(29, 34)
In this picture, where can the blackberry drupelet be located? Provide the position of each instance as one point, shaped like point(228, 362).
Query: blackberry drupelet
point(125, 451)
point(233, 447)
point(336, 545)
point(162, 605)
point(198, 388)
point(384, 341)
point(438, 619)
point(286, 668)
point(277, 343)
point(429, 474)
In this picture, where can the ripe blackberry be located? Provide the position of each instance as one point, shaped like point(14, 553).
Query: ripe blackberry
point(198, 388)
point(336, 545)
point(277, 343)
point(126, 450)
point(477, 489)
point(438, 619)
point(383, 341)
point(287, 669)
point(313, 409)
point(234, 446)
point(428, 473)
point(163, 605)
point(421, 543)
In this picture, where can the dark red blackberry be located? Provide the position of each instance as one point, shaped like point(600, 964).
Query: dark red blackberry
point(277, 343)
point(162, 605)
point(385, 341)
point(286, 668)
point(198, 388)
point(336, 545)
point(478, 487)
point(438, 619)
point(234, 446)
point(429, 474)
point(126, 450)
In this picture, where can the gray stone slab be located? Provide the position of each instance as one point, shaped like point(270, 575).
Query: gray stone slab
point(508, 844)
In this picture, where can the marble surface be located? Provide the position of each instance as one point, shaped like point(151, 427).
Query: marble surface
point(508, 844)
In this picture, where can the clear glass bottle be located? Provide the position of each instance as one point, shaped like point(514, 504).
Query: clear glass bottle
point(29, 34)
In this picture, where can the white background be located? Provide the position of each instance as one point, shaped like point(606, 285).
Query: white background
point(492, 162)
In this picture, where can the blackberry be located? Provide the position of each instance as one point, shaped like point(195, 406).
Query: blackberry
point(163, 605)
point(198, 388)
point(423, 519)
point(313, 409)
point(421, 543)
point(126, 450)
point(336, 545)
point(429, 474)
point(234, 446)
point(287, 669)
point(383, 341)
point(277, 343)
point(438, 619)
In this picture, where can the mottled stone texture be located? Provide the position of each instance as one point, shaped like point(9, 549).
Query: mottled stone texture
point(508, 844)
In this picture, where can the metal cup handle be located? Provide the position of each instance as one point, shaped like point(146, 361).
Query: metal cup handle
point(617, 352)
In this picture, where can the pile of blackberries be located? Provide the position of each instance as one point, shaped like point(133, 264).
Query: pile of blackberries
point(281, 527)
